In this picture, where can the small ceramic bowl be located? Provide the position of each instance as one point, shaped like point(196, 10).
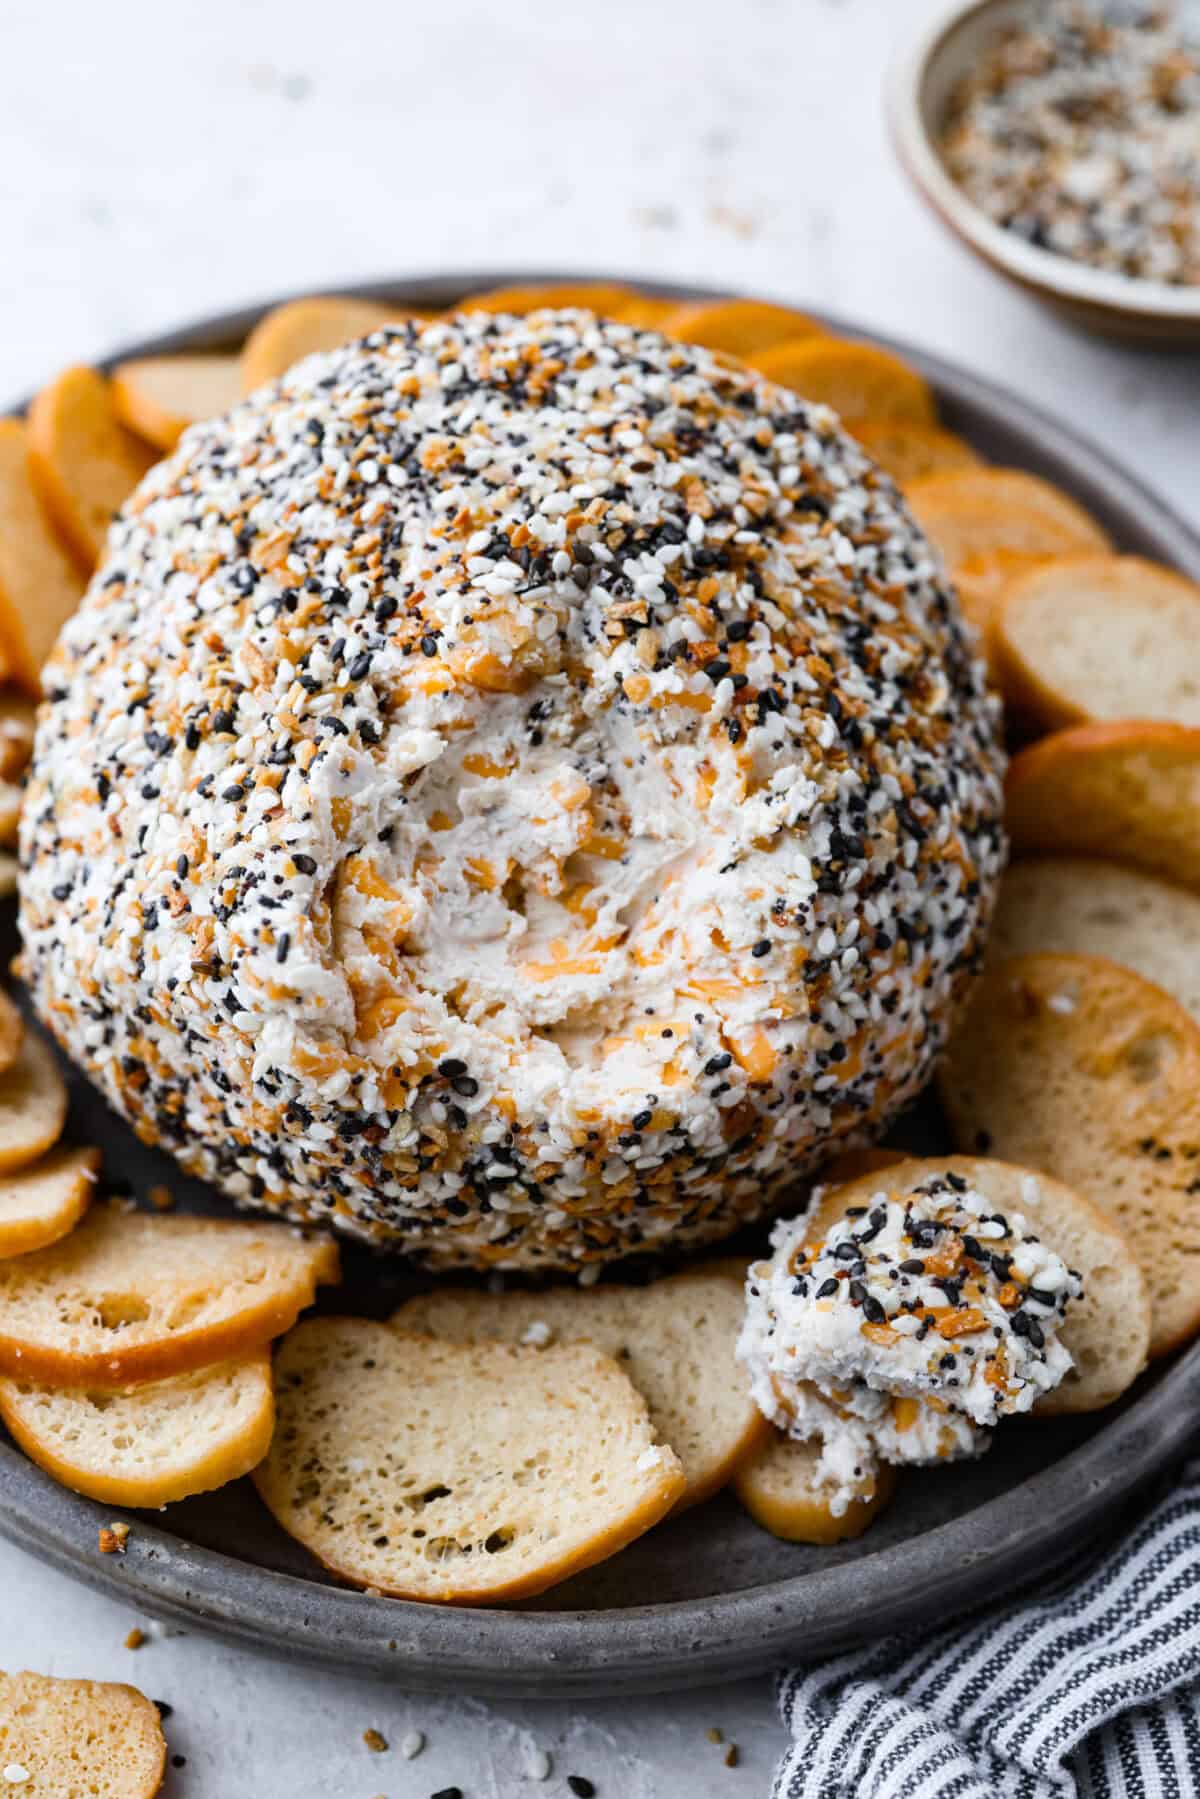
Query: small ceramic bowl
point(923, 79)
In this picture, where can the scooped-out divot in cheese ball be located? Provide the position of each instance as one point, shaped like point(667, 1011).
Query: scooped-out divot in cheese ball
point(906, 1329)
point(518, 789)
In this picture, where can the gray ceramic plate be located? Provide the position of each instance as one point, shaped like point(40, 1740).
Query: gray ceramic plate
point(708, 1596)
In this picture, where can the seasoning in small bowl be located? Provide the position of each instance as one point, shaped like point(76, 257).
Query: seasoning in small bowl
point(1060, 141)
point(1080, 131)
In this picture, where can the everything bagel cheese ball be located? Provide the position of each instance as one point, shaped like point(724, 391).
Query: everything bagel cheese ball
point(520, 790)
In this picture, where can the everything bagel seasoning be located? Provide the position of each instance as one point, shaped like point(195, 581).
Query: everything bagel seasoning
point(1080, 132)
point(518, 789)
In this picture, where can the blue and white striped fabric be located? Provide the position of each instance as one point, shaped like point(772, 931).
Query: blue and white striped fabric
point(1089, 1686)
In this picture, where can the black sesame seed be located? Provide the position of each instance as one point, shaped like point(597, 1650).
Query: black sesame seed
point(222, 722)
point(360, 666)
point(717, 669)
point(762, 947)
point(912, 1266)
point(466, 1085)
point(235, 791)
point(386, 609)
point(641, 1120)
point(451, 1066)
point(581, 1786)
point(873, 1312)
point(282, 948)
point(718, 1064)
point(827, 1288)
point(306, 864)
point(858, 1293)
point(181, 867)
point(429, 645)
point(738, 630)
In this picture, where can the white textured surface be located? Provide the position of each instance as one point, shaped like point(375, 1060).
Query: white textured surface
point(163, 163)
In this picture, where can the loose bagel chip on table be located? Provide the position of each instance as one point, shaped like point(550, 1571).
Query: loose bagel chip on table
point(1087, 639)
point(78, 1739)
point(675, 1339)
point(1078, 1068)
point(461, 1473)
point(1085, 905)
point(1129, 790)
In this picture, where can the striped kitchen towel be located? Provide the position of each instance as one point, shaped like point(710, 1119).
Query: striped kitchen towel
point(1089, 1686)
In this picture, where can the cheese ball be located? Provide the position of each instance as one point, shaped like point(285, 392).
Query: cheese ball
point(906, 1332)
point(519, 790)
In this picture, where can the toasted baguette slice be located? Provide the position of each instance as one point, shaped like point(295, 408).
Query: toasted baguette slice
point(1107, 1329)
point(993, 524)
point(604, 297)
point(33, 1104)
point(649, 312)
point(12, 1032)
point(1081, 1069)
point(148, 1445)
point(40, 583)
point(1084, 906)
point(11, 799)
point(779, 1488)
point(83, 461)
point(78, 1739)
point(675, 1339)
point(17, 721)
point(1088, 638)
point(160, 396)
point(301, 328)
point(134, 1296)
point(464, 1473)
point(741, 328)
point(859, 381)
point(1129, 791)
point(40, 1204)
point(910, 452)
